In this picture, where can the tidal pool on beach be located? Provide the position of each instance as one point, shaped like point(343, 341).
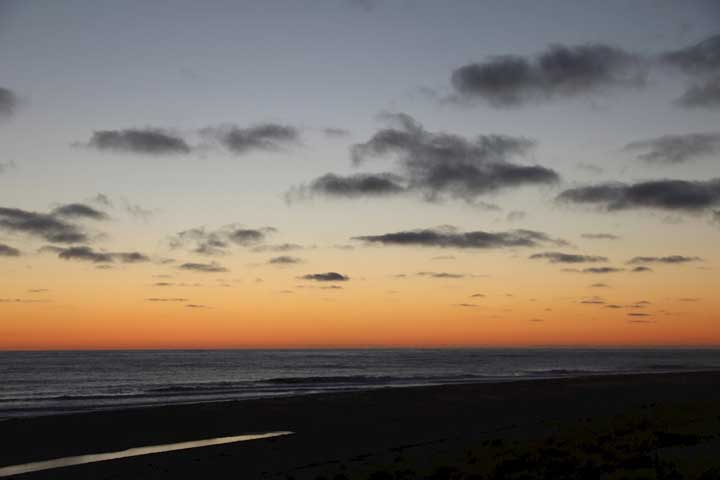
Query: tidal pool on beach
point(131, 452)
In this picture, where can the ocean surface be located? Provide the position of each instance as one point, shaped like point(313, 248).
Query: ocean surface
point(44, 383)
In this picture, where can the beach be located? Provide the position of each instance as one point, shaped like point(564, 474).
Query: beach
point(349, 433)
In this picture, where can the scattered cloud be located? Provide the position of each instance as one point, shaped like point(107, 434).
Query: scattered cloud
point(8, 102)
point(87, 254)
point(279, 248)
point(151, 141)
point(336, 132)
point(449, 237)
point(8, 251)
point(700, 62)
point(668, 260)
point(203, 241)
point(516, 216)
point(212, 267)
point(441, 275)
point(595, 270)
point(702, 95)
point(79, 210)
point(350, 186)
point(669, 149)
point(559, 72)
point(46, 226)
point(326, 277)
point(284, 260)
point(558, 257)
point(435, 165)
point(600, 236)
point(683, 195)
point(265, 137)
point(698, 59)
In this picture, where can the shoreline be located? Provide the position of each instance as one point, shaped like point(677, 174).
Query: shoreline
point(367, 388)
point(333, 427)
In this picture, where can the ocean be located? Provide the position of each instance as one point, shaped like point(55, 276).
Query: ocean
point(45, 383)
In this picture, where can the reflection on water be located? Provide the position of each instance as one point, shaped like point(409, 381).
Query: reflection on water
point(131, 452)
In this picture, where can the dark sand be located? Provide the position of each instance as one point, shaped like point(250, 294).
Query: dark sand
point(347, 431)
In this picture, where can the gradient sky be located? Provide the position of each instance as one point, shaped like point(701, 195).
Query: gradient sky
point(164, 177)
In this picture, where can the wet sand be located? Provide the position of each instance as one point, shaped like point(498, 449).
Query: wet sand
point(348, 431)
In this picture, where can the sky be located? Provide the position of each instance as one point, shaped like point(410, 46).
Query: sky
point(359, 173)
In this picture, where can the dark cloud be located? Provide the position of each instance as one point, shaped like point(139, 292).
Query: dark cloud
point(279, 248)
point(601, 270)
point(669, 259)
point(477, 295)
point(466, 305)
point(441, 275)
point(435, 165)
point(593, 301)
point(212, 267)
point(558, 257)
point(595, 270)
point(676, 148)
point(79, 210)
point(8, 102)
point(600, 236)
point(45, 226)
point(153, 141)
point(84, 253)
point(357, 185)
point(559, 72)
point(635, 314)
point(130, 257)
point(267, 137)
point(599, 285)
point(451, 238)
point(699, 59)
point(658, 194)
point(8, 251)
point(702, 95)
point(641, 269)
point(284, 260)
point(217, 242)
point(87, 254)
point(701, 62)
point(326, 277)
